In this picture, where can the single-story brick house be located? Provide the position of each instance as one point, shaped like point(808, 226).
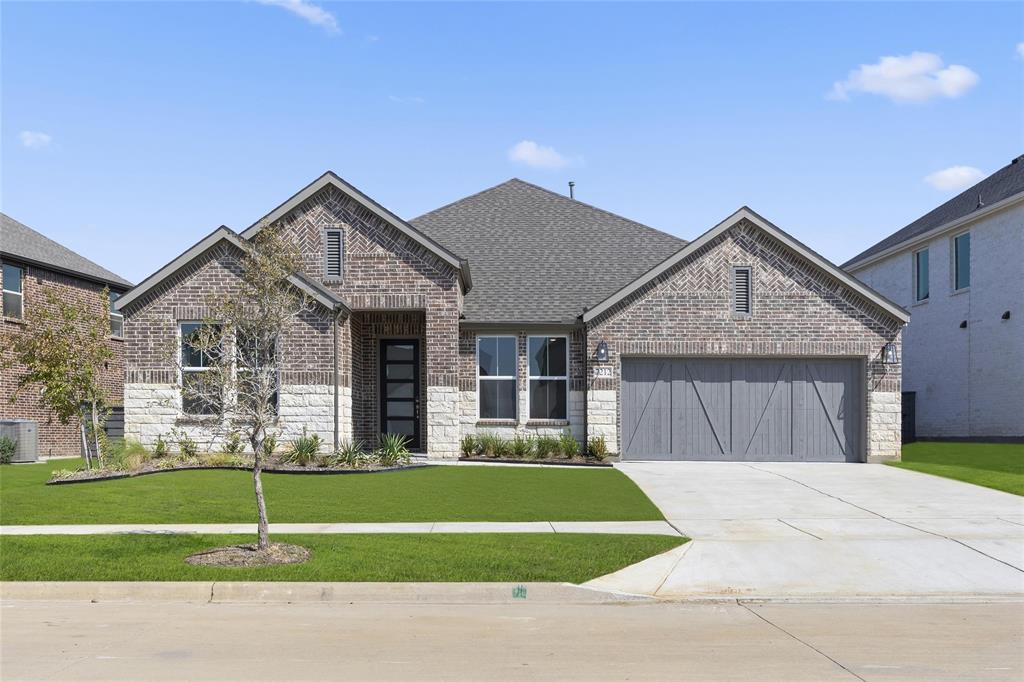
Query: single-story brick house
point(519, 310)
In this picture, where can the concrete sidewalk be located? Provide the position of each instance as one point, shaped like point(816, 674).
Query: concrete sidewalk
point(603, 527)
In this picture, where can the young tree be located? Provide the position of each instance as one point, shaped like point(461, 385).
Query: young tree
point(65, 347)
point(238, 347)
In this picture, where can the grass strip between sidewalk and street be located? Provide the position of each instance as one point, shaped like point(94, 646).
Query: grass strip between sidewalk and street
point(481, 557)
point(993, 465)
point(438, 493)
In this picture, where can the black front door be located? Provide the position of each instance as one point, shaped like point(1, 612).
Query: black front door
point(400, 389)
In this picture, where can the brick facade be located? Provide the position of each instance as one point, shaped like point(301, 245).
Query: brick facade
point(798, 310)
point(55, 439)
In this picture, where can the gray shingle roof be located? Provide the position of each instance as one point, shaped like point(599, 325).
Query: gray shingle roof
point(541, 257)
point(20, 241)
point(1004, 183)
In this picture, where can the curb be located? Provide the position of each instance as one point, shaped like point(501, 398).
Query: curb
point(342, 593)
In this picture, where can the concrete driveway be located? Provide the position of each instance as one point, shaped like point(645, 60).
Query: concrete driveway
point(826, 530)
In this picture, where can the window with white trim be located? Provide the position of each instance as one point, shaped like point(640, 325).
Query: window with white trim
point(196, 399)
point(334, 253)
point(496, 377)
point(962, 261)
point(921, 275)
point(742, 291)
point(13, 291)
point(549, 376)
point(116, 318)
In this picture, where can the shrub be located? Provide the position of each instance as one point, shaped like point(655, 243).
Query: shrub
point(597, 448)
point(166, 463)
point(521, 447)
point(350, 454)
point(568, 445)
point(160, 447)
point(242, 461)
point(546, 447)
point(187, 448)
point(269, 445)
point(61, 474)
point(220, 459)
point(126, 455)
point(7, 447)
point(233, 444)
point(392, 450)
point(470, 445)
point(492, 445)
point(303, 450)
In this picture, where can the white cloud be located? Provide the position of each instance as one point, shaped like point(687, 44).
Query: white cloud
point(538, 156)
point(314, 14)
point(915, 77)
point(1020, 50)
point(406, 100)
point(954, 178)
point(34, 140)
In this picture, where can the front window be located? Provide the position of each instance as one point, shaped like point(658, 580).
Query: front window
point(962, 261)
point(14, 296)
point(198, 394)
point(116, 318)
point(921, 275)
point(549, 377)
point(496, 370)
point(255, 364)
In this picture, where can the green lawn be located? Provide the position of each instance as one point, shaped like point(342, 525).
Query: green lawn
point(353, 558)
point(441, 493)
point(993, 465)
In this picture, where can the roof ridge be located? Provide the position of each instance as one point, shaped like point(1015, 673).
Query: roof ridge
point(465, 198)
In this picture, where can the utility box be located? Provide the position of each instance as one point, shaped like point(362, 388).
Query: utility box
point(25, 434)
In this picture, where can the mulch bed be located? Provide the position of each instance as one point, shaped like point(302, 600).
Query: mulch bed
point(89, 476)
point(247, 556)
point(561, 462)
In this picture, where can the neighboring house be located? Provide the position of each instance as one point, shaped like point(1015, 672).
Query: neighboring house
point(960, 270)
point(32, 266)
point(743, 344)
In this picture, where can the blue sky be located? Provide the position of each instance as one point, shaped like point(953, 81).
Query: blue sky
point(130, 130)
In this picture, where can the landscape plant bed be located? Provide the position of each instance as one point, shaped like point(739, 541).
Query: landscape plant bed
point(560, 462)
point(93, 475)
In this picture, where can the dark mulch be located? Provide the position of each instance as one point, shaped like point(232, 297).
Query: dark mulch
point(90, 475)
point(579, 462)
point(248, 556)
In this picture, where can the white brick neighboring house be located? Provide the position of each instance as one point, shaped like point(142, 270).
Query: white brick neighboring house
point(742, 344)
point(963, 352)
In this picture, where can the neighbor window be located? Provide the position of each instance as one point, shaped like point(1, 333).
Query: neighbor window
point(962, 261)
point(742, 293)
point(549, 376)
point(921, 275)
point(116, 318)
point(198, 397)
point(496, 370)
point(334, 253)
point(252, 356)
point(14, 296)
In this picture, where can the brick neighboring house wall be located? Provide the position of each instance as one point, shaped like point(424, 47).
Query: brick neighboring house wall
point(522, 425)
point(798, 310)
point(55, 439)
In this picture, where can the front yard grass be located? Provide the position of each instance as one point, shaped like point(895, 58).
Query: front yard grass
point(440, 493)
point(993, 465)
point(491, 557)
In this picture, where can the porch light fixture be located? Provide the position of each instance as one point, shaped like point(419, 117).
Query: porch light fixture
point(602, 351)
point(890, 356)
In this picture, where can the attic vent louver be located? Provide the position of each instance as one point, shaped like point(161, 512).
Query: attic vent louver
point(742, 291)
point(333, 252)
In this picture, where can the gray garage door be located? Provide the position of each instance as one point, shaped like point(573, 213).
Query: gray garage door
point(734, 409)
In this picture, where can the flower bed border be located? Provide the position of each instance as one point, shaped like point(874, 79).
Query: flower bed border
point(541, 462)
point(323, 471)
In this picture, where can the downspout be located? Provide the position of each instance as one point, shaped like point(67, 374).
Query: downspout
point(335, 332)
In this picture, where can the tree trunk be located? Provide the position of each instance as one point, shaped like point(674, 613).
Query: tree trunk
point(96, 434)
point(261, 506)
point(85, 443)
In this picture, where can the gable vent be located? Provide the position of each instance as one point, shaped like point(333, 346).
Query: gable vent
point(741, 291)
point(333, 250)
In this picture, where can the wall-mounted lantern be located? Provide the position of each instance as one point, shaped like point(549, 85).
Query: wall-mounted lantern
point(602, 351)
point(890, 356)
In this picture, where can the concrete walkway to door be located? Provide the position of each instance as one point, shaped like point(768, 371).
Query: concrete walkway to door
point(824, 530)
